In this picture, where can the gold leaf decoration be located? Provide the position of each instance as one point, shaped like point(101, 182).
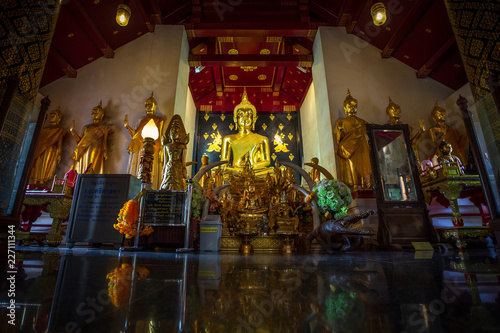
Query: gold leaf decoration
point(248, 68)
point(232, 51)
point(206, 117)
point(222, 117)
point(290, 136)
point(262, 77)
point(271, 116)
point(264, 126)
point(233, 77)
point(280, 146)
point(214, 126)
point(281, 126)
point(231, 126)
point(291, 157)
point(265, 51)
point(273, 156)
point(205, 136)
point(289, 117)
point(215, 144)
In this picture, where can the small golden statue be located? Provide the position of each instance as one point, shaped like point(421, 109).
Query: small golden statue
point(352, 147)
point(92, 146)
point(393, 111)
point(48, 152)
point(315, 173)
point(443, 132)
point(246, 145)
point(136, 144)
point(447, 159)
point(175, 143)
point(207, 177)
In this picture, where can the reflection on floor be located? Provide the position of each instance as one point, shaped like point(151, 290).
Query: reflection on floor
point(92, 290)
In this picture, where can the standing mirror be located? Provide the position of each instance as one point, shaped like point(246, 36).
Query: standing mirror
point(403, 214)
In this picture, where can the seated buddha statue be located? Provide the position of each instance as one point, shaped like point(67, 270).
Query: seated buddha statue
point(246, 145)
point(447, 159)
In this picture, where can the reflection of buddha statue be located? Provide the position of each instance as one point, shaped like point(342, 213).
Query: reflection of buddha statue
point(48, 152)
point(447, 159)
point(175, 143)
point(393, 111)
point(442, 132)
point(135, 146)
point(92, 146)
point(245, 145)
point(352, 147)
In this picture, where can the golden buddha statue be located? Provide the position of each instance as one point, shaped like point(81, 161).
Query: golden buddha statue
point(246, 145)
point(135, 146)
point(352, 147)
point(315, 173)
point(92, 146)
point(207, 177)
point(174, 144)
point(442, 132)
point(447, 159)
point(393, 111)
point(48, 151)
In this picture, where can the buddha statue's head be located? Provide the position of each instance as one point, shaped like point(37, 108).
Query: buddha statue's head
point(205, 160)
point(350, 105)
point(150, 104)
point(55, 116)
point(445, 148)
point(314, 160)
point(245, 114)
point(97, 113)
point(175, 131)
point(438, 114)
point(393, 111)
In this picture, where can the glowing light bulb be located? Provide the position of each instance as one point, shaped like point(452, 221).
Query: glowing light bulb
point(122, 18)
point(150, 130)
point(379, 16)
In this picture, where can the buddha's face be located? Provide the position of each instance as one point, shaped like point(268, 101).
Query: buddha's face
point(204, 160)
point(244, 118)
point(439, 115)
point(394, 111)
point(447, 149)
point(175, 133)
point(150, 107)
point(54, 118)
point(351, 107)
point(97, 114)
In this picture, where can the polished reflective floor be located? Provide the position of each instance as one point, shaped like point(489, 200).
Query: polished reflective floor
point(94, 290)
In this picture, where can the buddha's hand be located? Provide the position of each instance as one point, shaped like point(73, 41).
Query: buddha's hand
point(72, 128)
point(125, 121)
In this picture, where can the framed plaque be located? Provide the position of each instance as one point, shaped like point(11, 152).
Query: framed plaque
point(164, 208)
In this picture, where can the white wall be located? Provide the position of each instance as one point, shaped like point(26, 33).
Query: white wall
point(356, 65)
point(154, 62)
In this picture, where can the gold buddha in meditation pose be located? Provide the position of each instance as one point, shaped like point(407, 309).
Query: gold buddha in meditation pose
point(442, 132)
point(135, 146)
point(245, 145)
point(352, 147)
point(92, 146)
point(393, 111)
point(48, 152)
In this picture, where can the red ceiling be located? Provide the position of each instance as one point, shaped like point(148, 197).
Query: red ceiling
point(262, 45)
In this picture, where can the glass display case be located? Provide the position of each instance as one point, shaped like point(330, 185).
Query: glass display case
point(403, 215)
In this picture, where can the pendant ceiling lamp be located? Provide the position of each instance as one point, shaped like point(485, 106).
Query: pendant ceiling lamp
point(378, 12)
point(123, 13)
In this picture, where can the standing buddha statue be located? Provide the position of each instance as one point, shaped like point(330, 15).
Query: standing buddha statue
point(352, 147)
point(442, 132)
point(393, 111)
point(92, 147)
point(175, 143)
point(136, 144)
point(48, 151)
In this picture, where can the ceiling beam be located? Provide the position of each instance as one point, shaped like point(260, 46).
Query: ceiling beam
point(251, 29)
point(91, 29)
point(259, 60)
point(323, 13)
point(280, 74)
point(178, 15)
point(415, 14)
point(218, 78)
point(145, 17)
point(304, 11)
point(155, 12)
point(353, 20)
point(344, 13)
point(433, 62)
point(62, 64)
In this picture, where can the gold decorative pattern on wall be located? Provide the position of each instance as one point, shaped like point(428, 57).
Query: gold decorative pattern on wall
point(205, 135)
point(279, 145)
point(281, 126)
point(222, 116)
point(214, 126)
point(231, 126)
point(264, 126)
point(273, 156)
point(290, 136)
point(215, 145)
point(291, 157)
point(271, 116)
